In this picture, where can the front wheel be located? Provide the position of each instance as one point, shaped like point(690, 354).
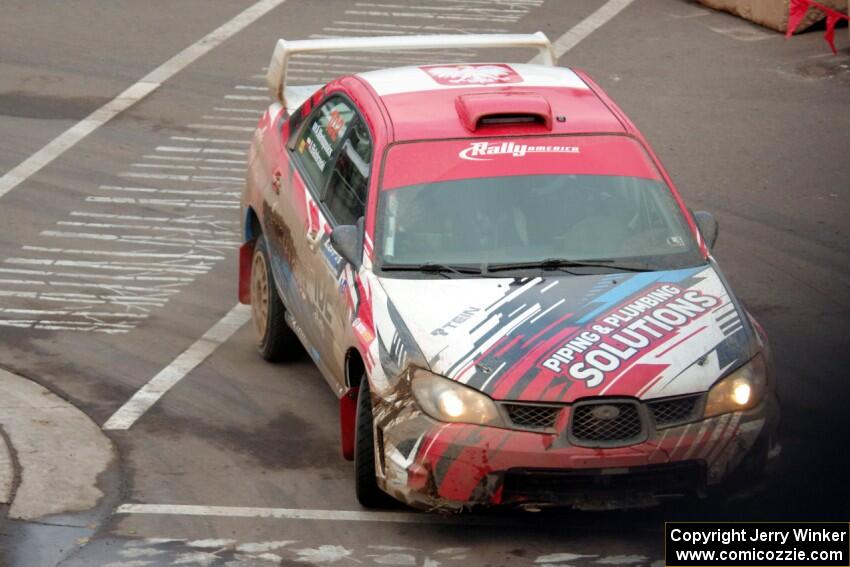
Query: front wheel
point(365, 483)
point(275, 340)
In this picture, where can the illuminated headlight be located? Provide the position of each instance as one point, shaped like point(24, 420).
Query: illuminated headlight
point(447, 400)
point(741, 390)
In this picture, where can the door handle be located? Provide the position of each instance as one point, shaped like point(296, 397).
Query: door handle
point(276, 177)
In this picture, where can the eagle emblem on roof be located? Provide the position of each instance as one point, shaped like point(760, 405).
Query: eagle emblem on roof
point(472, 74)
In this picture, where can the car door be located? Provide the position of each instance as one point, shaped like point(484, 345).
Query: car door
point(343, 203)
point(328, 152)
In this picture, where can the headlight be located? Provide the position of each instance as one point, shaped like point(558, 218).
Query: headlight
point(447, 400)
point(741, 390)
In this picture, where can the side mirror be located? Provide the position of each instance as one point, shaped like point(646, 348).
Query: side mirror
point(708, 227)
point(347, 241)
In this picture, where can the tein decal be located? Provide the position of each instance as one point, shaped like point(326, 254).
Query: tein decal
point(484, 151)
point(603, 345)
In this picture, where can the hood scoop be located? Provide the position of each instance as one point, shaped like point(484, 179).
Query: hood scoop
point(503, 108)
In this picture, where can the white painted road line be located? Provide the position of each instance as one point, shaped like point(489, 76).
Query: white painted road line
point(233, 109)
point(212, 140)
point(169, 376)
point(587, 26)
point(297, 514)
point(261, 98)
point(136, 92)
point(226, 127)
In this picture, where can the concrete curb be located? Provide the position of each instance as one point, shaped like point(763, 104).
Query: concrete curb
point(60, 451)
point(7, 472)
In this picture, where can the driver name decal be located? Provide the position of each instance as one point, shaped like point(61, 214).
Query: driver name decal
point(603, 346)
point(485, 151)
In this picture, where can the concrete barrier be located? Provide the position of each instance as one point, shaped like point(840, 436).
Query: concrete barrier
point(772, 14)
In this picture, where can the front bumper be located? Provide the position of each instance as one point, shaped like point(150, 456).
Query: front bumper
point(433, 465)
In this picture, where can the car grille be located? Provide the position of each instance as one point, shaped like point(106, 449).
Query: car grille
point(530, 416)
point(627, 423)
point(606, 423)
point(563, 486)
point(674, 411)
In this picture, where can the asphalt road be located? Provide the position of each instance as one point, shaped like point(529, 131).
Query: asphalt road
point(121, 253)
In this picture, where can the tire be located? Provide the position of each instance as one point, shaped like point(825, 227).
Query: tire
point(275, 340)
point(365, 484)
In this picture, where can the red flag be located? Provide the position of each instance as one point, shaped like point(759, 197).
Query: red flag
point(831, 19)
point(796, 12)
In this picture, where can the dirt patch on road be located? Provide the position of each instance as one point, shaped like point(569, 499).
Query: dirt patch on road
point(285, 442)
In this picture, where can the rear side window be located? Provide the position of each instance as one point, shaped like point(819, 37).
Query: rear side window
point(318, 143)
point(345, 196)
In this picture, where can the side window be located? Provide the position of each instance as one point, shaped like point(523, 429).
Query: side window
point(319, 141)
point(345, 197)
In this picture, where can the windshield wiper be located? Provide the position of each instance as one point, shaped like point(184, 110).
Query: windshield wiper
point(562, 263)
point(429, 267)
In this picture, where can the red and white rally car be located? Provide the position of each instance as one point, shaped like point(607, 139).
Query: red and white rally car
point(497, 277)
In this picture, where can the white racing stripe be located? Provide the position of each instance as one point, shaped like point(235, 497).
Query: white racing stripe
point(547, 310)
point(185, 362)
point(133, 94)
point(493, 375)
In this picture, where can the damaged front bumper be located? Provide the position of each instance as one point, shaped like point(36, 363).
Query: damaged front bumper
point(454, 466)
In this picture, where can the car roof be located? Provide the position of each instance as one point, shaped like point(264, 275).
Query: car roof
point(423, 101)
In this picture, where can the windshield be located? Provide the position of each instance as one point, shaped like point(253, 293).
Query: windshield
point(627, 220)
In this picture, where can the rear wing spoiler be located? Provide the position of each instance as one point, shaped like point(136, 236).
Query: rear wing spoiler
point(284, 50)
